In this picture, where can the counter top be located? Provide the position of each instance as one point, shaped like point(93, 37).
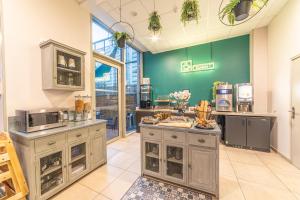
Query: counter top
point(250, 114)
point(162, 110)
point(215, 131)
point(70, 126)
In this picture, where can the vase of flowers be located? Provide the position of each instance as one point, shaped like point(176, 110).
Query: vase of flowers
point(181, 98)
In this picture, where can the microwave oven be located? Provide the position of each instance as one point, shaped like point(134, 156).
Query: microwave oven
point(40, 119)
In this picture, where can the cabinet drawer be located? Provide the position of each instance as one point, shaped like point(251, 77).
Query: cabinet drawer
point(77, 135)
point(152, 133)
point(98, 129)
point(44, 144)
point(174, 136)
point(202, 140)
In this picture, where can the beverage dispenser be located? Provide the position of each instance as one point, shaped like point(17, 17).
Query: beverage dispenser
point(244, 97)
point(224, 97)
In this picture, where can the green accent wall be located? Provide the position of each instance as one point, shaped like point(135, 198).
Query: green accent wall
point(232, 64)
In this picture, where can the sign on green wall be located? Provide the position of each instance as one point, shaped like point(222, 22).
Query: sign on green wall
point(187, 66)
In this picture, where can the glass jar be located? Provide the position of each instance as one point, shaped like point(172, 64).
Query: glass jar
point(87, 107)
point(79, 108)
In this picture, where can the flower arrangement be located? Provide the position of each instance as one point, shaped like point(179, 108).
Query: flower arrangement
point(181, 98)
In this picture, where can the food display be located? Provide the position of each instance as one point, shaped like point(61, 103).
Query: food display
point(79, 105)
point(149, 120)
point(162, 115)
point(203, 113)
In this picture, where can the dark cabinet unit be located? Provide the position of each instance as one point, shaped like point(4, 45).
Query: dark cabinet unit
point(258, 132)
point(236, 130)
point(249, 132)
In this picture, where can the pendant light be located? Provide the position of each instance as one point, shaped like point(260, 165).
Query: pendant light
point(122, 37)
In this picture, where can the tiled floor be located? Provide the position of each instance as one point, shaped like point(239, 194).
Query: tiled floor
point(244, 174)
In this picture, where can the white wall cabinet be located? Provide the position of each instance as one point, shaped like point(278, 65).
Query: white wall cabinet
point(62, 67)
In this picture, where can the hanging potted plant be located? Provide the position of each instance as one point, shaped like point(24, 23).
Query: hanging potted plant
point(190, 11)
point(121, 38)
point(238, 10)
point(154, 22)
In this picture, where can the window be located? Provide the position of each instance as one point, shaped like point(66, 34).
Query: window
point(103, 41)
point(132, 86)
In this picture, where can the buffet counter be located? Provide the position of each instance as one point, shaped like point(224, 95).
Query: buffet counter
point(184, 156)
point(140, 112)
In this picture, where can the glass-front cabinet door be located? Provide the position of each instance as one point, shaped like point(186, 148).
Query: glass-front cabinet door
point(51, 173)
point(174, 162)
point(78, 159)
point(152, 158)
point(69, 69)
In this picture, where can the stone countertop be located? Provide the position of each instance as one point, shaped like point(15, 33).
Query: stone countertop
point(161, 110)
point(193, 129)
point(250, 114)
point(70, 126)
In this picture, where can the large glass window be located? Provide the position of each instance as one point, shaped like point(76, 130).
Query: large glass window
point(103, 41)
point(132, 86)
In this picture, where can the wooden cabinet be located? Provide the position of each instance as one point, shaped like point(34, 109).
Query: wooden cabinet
point(189, 159)
point(98, 147)
point(152, 158)
point(202, 168)
point(62, 67)
point(51, 172)
point(174, 162)
point(60, 159)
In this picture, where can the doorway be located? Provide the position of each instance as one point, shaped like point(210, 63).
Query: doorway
point(295, 111)
point(108, 93)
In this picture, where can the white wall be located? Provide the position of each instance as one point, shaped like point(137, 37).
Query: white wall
point(283, 44)
point(259, 68)
point(26, 24)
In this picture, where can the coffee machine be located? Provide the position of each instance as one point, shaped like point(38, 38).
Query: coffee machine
point(224, 98)
point(244, 97)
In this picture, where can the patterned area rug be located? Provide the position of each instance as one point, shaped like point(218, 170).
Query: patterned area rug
point(145, 188)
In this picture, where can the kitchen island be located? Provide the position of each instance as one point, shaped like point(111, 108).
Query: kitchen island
point(55, 158)
point(185, 156)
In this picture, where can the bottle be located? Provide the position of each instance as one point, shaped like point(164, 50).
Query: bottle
point(71, 79)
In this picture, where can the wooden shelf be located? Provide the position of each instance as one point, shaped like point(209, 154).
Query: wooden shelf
point(50, 170)
point(68, 70)
point(78, 158)
point(174, 160)
point(152, 155)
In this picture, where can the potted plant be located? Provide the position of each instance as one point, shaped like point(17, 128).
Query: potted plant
point(238, 10)
point(190, 11)
point(182, 99)
point(121, 38)
point(154, 22)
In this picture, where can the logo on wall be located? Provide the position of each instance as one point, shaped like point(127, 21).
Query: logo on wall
point(187, 66)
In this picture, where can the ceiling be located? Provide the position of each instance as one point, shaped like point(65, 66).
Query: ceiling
point(174, 35)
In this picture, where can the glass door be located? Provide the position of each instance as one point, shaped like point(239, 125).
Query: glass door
point(152, 158)
point(107, 96)
point(174, 168)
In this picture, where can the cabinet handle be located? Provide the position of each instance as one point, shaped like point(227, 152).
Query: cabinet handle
point(190, 166)
point(151, 134)
point(174, 136)
point(201, 141)
point(91, 153)
point(97, 130)
point(78, 135)
point(65, 166)
point(249, 123)
point(51, 143)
